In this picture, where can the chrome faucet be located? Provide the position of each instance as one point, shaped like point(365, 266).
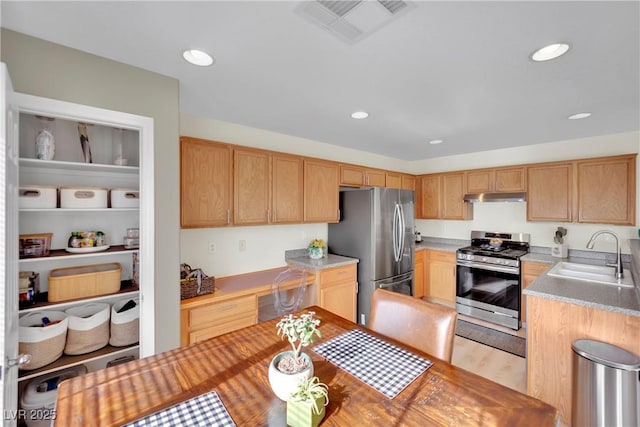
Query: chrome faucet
point(618, 264)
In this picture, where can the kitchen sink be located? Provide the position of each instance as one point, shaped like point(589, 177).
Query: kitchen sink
point(602, 274)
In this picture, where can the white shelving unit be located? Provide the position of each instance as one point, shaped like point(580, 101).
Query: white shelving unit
point(69, 170)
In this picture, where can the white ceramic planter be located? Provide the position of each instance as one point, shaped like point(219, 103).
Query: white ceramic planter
point(283, 384)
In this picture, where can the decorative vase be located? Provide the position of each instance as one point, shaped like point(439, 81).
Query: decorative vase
point(301, 414)
point(316, 253)
point(45, 145)
point(284, 384)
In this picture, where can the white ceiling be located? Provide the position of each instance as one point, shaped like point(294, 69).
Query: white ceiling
point(457, 71)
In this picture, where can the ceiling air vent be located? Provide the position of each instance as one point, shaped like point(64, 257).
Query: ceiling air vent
point(351, 21)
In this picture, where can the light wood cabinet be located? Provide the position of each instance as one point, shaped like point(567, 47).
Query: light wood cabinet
point(429, 197)
point(549, 354)
point(251, 179)
point(441, 197)
point(267, 187)
point(337, 290)
point(500, 180)
point(549, 192)
point(441, 276)
point(418, 273)
point(597, 191)
point(530, 272)
point(408, 182)
point(287, 189)
point(206, 189)
point(606, 190)
point(205, 317)
point(358, 176)
point(321, 191)
point(452, 195)
point(393, 180)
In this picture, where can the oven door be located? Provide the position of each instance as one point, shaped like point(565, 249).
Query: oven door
point(489, 287)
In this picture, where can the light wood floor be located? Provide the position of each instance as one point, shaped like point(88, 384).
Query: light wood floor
point(496, 365)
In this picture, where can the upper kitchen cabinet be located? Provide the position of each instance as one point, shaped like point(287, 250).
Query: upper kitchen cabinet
point(597, 191)
point(606, 190)
point(408, 182)
point(287, 191)
point(549, 192)
point(400, 180)
point(428, 206)
point(321, 191)
point(251, 177)
point(393, 179)
point(441, 197)
point(358, 176)
point(206, 177)
point(452, 195)
point(500, 180)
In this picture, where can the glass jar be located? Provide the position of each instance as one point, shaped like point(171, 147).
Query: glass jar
point(100, 239)
point(74, 240)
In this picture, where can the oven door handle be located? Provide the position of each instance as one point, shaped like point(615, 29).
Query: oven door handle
point(489, 267)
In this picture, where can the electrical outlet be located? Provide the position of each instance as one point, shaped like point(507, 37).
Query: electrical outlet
point(212, 247)
point(242, 245)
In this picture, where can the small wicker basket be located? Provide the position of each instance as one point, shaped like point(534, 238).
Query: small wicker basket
point(195, 283)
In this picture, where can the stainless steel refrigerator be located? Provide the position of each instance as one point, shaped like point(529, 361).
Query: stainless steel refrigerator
point(377, 227)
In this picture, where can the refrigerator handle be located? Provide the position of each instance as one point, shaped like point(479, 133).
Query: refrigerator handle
point(402, 232)
point(396, 214)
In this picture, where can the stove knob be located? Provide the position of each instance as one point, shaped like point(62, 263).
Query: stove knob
point(484, 259)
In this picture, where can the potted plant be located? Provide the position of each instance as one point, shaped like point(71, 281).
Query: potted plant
point(306, 406)
point(316, 248)
point(288, 368)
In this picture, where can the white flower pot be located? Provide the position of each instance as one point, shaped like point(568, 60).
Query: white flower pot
point(284, 384)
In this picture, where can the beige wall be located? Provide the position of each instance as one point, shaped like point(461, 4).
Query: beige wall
point(45, 69)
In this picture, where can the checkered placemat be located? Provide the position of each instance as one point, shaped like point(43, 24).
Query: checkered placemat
point(204, 410)
point(384, 366)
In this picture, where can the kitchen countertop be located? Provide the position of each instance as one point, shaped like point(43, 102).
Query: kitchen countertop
point(604, 297)
point(330, 261)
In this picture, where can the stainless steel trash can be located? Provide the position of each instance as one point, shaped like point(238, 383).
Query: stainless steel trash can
point(606, 385)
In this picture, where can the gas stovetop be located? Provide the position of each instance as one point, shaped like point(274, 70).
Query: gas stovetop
point(502, 252)
point(492, 245)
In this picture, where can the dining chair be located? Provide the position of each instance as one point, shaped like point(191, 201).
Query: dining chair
point(288, 290)
point(424, 325)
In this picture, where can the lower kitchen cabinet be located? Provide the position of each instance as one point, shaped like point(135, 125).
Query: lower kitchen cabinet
point(530, 272)
point(554, 326)
point(205, 317)
point(337, 290)
point(441, 276)
point(418, 273)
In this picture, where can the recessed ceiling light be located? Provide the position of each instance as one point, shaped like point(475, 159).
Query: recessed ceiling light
point(360, 115)
point(578, 116)
point(436, 141)
point(550, 52)
point(197, 57)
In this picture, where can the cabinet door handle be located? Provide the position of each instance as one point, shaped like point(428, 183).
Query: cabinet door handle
point(228, 216)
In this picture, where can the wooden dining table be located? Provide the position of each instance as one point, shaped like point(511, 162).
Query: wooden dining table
point(235, 366)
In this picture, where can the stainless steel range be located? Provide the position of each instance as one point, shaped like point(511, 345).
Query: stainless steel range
point(488, 279)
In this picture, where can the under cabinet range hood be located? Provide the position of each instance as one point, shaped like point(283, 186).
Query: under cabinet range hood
point(495, 197)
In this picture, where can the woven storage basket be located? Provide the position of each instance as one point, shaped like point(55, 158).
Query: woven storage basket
point(195, 283)
point(88, 328)
point(44, 343)
point(125, 326)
